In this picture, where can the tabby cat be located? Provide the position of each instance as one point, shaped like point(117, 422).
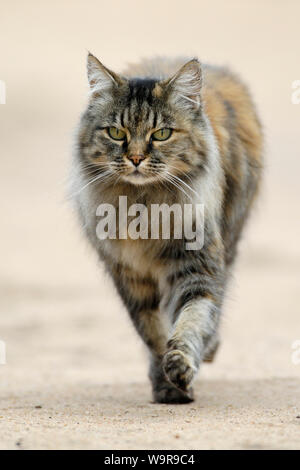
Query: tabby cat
point(168, 131)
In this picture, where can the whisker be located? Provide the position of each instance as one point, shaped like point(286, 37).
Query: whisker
point(183, 182)
point(98, 178)
point(169, 177)
point(184, 174)
point(162, 181)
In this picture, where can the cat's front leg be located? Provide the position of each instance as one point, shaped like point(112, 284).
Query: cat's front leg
point(141, 297)
point(163, 390)
point(195, 327)
point(194, 305)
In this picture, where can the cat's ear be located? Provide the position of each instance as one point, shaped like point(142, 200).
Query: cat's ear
point(185, 86)
point(101, 79)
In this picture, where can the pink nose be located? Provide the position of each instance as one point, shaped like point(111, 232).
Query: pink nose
point(136, 159)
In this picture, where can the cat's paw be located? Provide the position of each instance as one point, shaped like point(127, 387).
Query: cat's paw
point(178, 369)
point(169, 394)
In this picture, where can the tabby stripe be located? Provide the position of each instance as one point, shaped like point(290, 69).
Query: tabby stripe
point(134, 305)
point(122, 119)
point(154, 121)
point(191, 294)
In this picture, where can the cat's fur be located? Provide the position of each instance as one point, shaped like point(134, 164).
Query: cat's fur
point(174, 296)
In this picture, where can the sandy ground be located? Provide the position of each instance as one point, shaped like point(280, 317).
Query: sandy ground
point(76, 372)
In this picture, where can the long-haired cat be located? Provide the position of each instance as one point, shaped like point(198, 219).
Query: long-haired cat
point(169, 132)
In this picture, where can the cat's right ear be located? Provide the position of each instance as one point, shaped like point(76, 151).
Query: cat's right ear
point(101, 79)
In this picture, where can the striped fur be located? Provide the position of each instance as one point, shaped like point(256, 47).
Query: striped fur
point(214, 156)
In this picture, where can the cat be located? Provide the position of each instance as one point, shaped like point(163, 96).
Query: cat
point(169, 131)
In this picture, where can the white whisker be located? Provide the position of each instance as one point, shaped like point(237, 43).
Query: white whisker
point(183, 182)
point(102, 176)
point(176, 184)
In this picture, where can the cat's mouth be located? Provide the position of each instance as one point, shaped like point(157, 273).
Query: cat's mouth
point(138, 177)
point(135, 177)
point(138, 174)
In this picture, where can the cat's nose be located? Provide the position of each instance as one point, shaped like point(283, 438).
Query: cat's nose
point(136, 159)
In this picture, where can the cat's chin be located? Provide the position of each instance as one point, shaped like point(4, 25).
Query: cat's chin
point(138, 179)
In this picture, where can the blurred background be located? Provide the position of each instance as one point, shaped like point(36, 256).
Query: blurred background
point(76, 371)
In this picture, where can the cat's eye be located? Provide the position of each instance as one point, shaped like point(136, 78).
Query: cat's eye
point(116, 134)
point(162, 134)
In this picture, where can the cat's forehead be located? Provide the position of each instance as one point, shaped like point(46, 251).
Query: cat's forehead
point(143, 107)
point(141, 89)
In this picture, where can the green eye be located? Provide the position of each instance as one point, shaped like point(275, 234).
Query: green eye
point(162, 134)
point(115, 133)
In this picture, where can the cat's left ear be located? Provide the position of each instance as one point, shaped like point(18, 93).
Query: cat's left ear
point(101, 79)
point(185, 86)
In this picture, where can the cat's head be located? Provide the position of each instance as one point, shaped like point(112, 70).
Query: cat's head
point(143, 130)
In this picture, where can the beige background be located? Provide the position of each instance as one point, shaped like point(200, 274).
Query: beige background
point(70, 347)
